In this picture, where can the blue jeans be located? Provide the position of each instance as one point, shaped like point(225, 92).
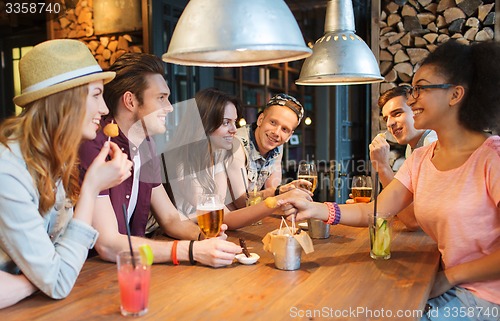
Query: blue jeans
point(459, 304)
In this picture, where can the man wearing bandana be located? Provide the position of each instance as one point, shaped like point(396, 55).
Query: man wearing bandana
point(262, 144)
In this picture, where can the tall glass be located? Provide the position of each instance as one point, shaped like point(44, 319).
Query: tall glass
point(380, 228)
point(210, 214)
point(307, 171)
point(362, 189)
point(254, 198)
point(133, 278)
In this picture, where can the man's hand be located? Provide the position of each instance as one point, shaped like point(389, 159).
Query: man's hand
point(298, 183)
point(379, 153)
point(215, 252)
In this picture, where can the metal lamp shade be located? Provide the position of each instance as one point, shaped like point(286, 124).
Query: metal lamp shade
point(230, 33)
point(340, 57)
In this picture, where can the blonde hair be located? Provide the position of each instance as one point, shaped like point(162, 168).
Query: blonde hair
point(46, 131)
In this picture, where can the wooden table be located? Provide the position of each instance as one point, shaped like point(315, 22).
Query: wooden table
point(337, 281)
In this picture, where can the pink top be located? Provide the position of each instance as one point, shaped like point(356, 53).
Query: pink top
point(458, 208)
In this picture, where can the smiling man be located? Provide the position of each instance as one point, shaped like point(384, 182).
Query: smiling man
point(263, 144)
point(138, 99)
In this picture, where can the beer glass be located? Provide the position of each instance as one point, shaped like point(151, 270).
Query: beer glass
point(307, 171)
point(361, 189)
point(210, 214)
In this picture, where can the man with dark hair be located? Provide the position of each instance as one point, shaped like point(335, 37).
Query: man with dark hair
point(138, 100)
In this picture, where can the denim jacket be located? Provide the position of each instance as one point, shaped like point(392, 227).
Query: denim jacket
point(50, 248)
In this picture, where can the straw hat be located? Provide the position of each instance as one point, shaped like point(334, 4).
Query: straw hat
point(57, 65)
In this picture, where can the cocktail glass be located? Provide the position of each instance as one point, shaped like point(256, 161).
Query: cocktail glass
point(133, 278)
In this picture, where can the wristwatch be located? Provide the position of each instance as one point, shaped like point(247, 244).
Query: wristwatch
point(277, 190)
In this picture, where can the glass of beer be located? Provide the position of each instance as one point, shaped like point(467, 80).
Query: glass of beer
point(210, 214)
point(362, 189)
point(307, 171)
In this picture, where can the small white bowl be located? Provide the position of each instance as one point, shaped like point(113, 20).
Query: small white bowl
point(254, 257)
point(303, 226)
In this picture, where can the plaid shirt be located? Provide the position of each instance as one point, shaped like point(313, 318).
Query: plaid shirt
point(259, 168)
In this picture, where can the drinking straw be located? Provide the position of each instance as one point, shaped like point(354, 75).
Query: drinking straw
point(128, 234)
point(244, 181)
point(287, 227)
point(375, 202)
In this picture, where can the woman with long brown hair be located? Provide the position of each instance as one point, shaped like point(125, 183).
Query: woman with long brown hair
point(45, 215)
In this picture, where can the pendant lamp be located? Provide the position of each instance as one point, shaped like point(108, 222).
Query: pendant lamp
point(340, 57)
point(230, 33)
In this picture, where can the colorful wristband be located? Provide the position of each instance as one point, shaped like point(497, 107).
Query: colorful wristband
point(191, 258)
point(333, 213)
point(174, 253)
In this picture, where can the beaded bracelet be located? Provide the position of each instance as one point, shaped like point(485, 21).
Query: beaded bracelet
point(191, 258)
point(333, 213)
point(174, 253)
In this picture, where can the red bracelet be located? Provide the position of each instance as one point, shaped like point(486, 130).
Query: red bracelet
point(174, 253)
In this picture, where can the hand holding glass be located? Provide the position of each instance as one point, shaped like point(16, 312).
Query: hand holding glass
point(308, 172)
point(362, 189)
point(210, 214)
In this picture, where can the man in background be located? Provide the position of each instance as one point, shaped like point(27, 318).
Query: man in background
point(262, 146)
point(400, 124)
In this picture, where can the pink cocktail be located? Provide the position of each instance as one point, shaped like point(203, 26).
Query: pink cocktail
point(134, 284)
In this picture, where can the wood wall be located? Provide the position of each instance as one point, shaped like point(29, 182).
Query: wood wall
point(406, 31)
point(410, 30)
point(78, 24)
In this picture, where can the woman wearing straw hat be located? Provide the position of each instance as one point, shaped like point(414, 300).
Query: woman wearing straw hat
point(41, 236)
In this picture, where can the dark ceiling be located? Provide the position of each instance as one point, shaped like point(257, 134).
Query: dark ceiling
point(21, 24)
point(304, 5)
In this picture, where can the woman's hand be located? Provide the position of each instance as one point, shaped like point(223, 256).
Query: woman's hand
point(299, 203)
point(14, 288)
point(106, 172)
point(215, 252)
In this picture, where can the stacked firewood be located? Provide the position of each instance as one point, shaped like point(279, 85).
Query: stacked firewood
point(78, 24)
point(107, 49)
point(411, 29)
